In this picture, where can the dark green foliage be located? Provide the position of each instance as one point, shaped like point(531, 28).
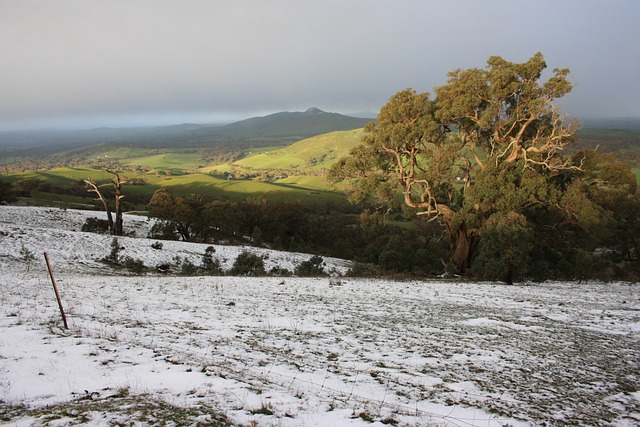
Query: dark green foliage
point(210, 265)
point(505, 249)
point(133, 265)
point(164, 230)
point(178, 214)
point(279, 271)
point(256, 236)
point(359, 269)
point(114, 254)
point(128, 263)
point(24, 187)
point(248, 264)
point(185, 266)
point(313, 267)
point(6, 193)
point(96, 225)
point(330, 230)
point(395, 256)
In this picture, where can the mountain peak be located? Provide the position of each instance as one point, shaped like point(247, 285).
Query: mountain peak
point(314, 110)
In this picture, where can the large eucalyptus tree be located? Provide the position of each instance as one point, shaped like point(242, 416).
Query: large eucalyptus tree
point(478, 157)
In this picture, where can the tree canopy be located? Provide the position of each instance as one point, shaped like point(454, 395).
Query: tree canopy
point(484, 157)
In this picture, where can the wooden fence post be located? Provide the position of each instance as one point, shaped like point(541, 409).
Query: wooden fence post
point(55, 288)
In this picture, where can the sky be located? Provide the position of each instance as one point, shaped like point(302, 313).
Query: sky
point(85, 64)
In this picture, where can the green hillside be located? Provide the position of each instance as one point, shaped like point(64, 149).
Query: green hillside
point(66, 184)
point(315, 153)
point(167, 161)
point(295, 172)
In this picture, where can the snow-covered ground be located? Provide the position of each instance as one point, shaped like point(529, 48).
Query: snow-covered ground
point(163, 350)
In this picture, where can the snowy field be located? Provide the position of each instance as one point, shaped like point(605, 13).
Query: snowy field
point(162, 350)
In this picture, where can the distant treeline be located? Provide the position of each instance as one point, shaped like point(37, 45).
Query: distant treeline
point(404, 246)
point(396, 244)
point(331, 230)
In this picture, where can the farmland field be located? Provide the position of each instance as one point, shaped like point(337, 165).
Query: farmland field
point(298, 351)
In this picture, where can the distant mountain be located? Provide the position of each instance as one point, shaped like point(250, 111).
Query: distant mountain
point(291, 124)
point(275, 129)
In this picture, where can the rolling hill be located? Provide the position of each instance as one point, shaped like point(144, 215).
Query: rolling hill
point(276, 129)
point(291, 124)
point(313, 153)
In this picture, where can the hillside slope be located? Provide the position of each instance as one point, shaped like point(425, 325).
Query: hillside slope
point(275, 129)
point(22, 230)
point(189, 350)
point(313, 153)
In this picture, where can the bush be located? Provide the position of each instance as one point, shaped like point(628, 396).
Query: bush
point(210, 265)
point(360, 269)
point(505, 249)
point(164, 230)
point(311, 268)
point(95, 225)
point(395, 255)
point(186, 267)
point(114, 255)
point(278, 271)
point(248, 264)
point(133, 265)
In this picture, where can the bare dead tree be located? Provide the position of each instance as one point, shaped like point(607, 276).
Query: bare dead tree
point(116, 226)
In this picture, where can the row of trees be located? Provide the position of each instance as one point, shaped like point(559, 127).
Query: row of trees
point(327, 231)
point(484, 159)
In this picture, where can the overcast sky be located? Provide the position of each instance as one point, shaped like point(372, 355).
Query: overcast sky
point(89, 63)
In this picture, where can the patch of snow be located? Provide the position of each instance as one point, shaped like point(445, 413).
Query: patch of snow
point(418, 353)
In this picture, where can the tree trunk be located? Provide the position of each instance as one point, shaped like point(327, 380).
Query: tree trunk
point(509, 276)
point(463, 243)
point(93, 188)
point(118, 225)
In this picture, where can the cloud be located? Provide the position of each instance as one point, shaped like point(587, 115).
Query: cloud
point(143, 58)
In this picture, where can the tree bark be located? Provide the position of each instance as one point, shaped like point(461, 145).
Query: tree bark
point(509, 276)
point(116, 226)
point(463, 243)
point(94, 189)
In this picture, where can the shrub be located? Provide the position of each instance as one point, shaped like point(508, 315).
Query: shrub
point(95, 225)
point(133, 265)
point(360, 269)
point(278, 271)
point(186, 267)
point(395, 255)
point(114, 255)
point(210, 265)
point(311, 268)
point(505, 249)
point(248, 264)
point(164, 230)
